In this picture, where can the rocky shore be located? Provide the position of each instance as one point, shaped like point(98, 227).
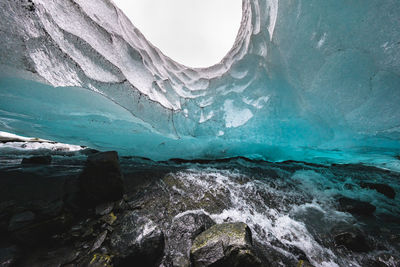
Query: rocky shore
point(94, 211)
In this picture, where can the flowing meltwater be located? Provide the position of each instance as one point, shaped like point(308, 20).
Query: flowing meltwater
point(291, 207)
point(296, 132)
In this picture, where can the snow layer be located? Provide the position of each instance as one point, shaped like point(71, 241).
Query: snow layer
point(302, 76)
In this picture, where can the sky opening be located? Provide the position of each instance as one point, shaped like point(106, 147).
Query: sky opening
point(196, 33)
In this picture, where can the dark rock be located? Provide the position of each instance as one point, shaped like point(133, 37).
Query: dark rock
point(99, 260)
point(374, 263)
point(88, 151)
point(348, 186)
point(42, 160)
point(352, 239)
point(47, 209)
point(104, 209)
point(384, 259)
point(50, 257)
point(228, 244)
point(109, 218)
point(7, 205)
point(298, 253)
point(355, 206)
point(99, 241)
point(8, 256)
point(121, 206)
point(41, 232)
point(101, 180)
point(384, 189)
point(194, 199)
point(272, 255)
point(181, 234)
point(72, 196)
point(21, 220)
point(387, 259)
point(137, 240)
point(304, 263)
point(7, 209)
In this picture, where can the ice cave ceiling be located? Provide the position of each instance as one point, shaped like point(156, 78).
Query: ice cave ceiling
point(304, 77)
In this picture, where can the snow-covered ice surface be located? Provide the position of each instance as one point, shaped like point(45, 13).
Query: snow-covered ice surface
point(14, 145)
point(308, 80)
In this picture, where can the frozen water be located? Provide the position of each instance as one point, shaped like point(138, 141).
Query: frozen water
point(307, 79)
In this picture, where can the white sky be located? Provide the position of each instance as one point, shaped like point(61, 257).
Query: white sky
point(196, 33)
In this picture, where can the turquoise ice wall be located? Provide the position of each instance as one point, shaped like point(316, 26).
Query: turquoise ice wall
point(305, 79)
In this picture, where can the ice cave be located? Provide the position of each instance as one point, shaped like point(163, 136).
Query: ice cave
point(303, 79)
point(291, 143)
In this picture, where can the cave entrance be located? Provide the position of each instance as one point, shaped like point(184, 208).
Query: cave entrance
point(195, 33)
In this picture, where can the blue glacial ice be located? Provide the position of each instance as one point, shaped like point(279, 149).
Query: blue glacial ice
point(305, 80)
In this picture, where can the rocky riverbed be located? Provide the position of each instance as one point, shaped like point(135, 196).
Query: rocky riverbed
point(96, 209)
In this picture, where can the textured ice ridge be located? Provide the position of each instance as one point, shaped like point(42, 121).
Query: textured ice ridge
point(306, 74)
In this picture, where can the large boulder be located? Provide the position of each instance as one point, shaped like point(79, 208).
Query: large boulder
point(137, 241)
point(41, 160)
point(355, 206)
point(351, 238)
point(101, 179)
point(228, 244)
point(181, 234)
point(384, 189)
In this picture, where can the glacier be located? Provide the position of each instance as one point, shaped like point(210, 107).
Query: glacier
point(304, 80)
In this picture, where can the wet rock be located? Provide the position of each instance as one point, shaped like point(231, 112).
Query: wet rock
point(7, 205)
point(21, 220)
point(8, 256)
point(374, 263)
point(355, 206)
point(48, 209)
point(228, 244)
point(41, 232)
point(72, 196)
point(121, 206)
point(348, 186)
point(304, 263)
point(137, 240)
point(352, 239)
point(100, 260)
point(384, 189)
point(109, 218)
point(104, 209)
point(41, 160)
point(385, 260)
point(99, 241)
point(274, 256)
point(298, 253)
point(6, 211)
point(101, 179)
point(50, 257)
point(181, 234)
point(88, 151)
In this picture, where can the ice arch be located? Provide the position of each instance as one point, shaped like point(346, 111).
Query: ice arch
point(303, 78)
point(195, 33)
